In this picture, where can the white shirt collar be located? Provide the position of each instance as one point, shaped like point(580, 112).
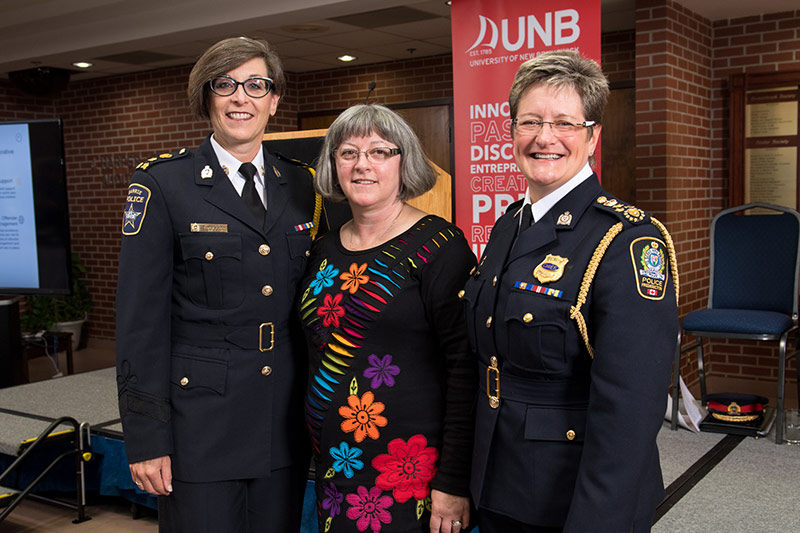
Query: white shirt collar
point(543, 205)
point(227, 161)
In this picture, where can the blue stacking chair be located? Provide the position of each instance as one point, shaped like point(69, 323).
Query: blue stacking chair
point(755, 261)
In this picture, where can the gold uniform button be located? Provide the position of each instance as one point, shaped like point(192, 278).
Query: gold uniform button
point(267, 370)
point(266, 290)
point(184, 381)
point(494, 282)
point(264, 249)
point(461, 294)
point(527, 317)
point(493, 361)
point(570, 435)
point(308, 252)
point(489, 322)
point(209, 256)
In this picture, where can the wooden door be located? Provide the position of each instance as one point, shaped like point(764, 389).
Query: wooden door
point(618, 143)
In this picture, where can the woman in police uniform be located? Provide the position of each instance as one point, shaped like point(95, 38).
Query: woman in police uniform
point(572, 311)
point(210, 366)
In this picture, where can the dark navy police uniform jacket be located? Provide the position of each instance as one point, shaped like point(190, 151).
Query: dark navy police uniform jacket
point(573, 382)
point(210, 366)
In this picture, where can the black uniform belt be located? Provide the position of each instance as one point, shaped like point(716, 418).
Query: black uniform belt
point(506, 386)
point(261, 337)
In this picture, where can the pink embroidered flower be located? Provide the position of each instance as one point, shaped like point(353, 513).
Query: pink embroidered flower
point(368, 508)
point(330, 310)
point(363, 416)
point(354, 278)
point(407, 469)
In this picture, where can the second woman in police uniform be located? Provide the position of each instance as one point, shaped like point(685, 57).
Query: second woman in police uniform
point(574, 320)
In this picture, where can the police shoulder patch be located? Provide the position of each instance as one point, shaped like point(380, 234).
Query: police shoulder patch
point(135, 209)
point(159, 158)
point(626, 212)
point(650, 267)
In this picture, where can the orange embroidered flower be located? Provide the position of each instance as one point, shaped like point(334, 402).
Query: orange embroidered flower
point(354, 278)
point(363, 416)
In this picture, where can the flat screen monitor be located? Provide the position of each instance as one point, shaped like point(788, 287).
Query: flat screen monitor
point(34, 216)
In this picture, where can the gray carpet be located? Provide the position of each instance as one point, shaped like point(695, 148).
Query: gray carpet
point(678, 450)
point(755, 488)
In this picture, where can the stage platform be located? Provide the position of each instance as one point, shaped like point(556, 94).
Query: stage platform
point(27, 410)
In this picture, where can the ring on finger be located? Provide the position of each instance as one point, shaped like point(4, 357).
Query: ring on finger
point(455, 523)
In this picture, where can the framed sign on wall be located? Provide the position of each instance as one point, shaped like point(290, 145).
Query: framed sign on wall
point(765, 138)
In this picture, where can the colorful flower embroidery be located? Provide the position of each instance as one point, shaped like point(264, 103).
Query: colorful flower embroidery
point(407, 469)
point(354, 278)
point(368, 508)
point(381, 371)
point(330, 310)
point(333, 499)
point(363, 416)
point(324, 279)
point(345, 459)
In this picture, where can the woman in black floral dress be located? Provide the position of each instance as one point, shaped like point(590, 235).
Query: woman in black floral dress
point(391, 378)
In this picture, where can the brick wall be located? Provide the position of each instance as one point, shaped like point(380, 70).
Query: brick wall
point(683, 62)
point(673, 150)
point(410, 80)
point(617, 56)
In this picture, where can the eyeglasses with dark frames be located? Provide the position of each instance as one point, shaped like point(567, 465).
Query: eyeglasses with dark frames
point(253, 87)
point(559, 127)
point(378, 154)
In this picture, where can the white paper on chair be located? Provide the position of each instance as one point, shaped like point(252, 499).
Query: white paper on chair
point(693, 414)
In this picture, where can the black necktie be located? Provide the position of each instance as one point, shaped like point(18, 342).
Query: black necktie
point(527, 218)
point(249, 193)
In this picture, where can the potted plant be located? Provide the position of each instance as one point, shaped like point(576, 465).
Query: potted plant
point(60, 313)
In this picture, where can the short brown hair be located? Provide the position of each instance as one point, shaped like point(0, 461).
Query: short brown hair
point(225, 56)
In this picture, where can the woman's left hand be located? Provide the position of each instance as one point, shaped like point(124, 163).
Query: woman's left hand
point(449, 514)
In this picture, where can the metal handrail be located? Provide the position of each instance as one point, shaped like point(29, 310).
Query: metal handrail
point(79, 452)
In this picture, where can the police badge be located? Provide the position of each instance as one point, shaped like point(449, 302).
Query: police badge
point(551, 269)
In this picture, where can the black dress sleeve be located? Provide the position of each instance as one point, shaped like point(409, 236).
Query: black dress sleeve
point(441, 281)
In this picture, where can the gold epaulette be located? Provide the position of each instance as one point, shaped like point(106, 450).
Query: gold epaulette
point(594, 263)
point(163, 157)
point(626, 212)
point(317, 198)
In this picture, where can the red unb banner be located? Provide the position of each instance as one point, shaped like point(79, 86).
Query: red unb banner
point(491, 38)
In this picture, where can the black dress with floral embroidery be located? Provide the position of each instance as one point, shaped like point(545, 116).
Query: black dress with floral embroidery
point(391, 377)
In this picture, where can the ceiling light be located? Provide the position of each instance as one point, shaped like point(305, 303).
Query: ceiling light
point(82, 64)
point(347, 58)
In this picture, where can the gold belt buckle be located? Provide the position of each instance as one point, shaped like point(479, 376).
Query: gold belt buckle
point(261, 337)
point(494, 401)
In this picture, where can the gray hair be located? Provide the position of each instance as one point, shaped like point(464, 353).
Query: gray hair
point(562, 69)
point(417, 176)
point(225, 56)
